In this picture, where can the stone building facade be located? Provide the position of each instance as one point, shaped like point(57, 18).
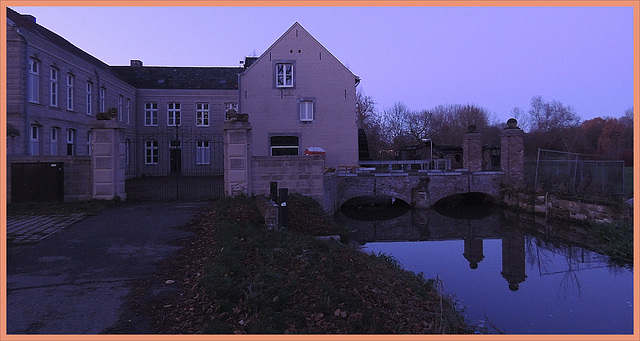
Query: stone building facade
point(311, 93)
point(169, 118)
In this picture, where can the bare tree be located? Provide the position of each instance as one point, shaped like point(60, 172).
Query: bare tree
point(627, 119)
point(365, 109)
point(521, 117)
point(547, 116)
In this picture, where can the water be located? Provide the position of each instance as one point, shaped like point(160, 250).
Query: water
point(508, 272)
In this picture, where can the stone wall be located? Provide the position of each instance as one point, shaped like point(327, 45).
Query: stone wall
point(300, 174)
point(419, 189)
point(550, 206)
point(329, 203)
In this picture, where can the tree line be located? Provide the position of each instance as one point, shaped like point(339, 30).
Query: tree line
point(549, 125)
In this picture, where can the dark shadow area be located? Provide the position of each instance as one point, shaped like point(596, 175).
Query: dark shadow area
point(473, 205)
point(374, 207)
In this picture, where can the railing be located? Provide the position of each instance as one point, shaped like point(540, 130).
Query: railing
point(401, 165)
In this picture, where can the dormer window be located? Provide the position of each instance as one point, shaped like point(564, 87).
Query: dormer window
point(284, 75)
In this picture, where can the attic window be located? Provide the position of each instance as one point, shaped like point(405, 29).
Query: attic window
point(284, 75)
point(160, 80)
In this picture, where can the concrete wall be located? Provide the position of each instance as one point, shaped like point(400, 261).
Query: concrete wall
point(300, 174)
point(318, 76)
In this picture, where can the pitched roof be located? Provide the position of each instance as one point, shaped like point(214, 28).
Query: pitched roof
point(147, 77)
point(296, 25)
point(169, 77)
point(28, 22)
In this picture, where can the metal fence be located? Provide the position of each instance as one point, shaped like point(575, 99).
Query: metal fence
point(175, 164)
point(578, 174)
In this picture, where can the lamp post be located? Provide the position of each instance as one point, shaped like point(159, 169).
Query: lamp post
point(430, 150)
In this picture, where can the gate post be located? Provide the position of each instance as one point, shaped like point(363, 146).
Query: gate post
point(472, 150)
point(108, 160)
point(237, 156)
point(512, 153)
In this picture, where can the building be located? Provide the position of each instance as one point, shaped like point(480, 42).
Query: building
point(297, 96)
point(311, 93)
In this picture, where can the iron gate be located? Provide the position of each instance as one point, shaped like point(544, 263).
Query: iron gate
point(175, 164)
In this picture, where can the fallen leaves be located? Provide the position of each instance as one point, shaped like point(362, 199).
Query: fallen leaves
point(291, 286)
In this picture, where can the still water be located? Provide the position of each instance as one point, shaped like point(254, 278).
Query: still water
point(508, 272)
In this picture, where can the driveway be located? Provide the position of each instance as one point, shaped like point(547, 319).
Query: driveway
point(76, 281)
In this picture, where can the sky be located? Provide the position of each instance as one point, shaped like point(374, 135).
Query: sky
point(497, 58)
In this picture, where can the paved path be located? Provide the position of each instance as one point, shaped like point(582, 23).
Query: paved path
point(76, 281)
point(29, 229)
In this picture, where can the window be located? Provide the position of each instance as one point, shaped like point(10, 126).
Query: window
point(34, 81)
point(34, 140)
point(284, 145)
point(54, 87)
point(71, 139)
point(173, 114)
point(228, 107)
point(284, 75)
point(54, 141)
point(120, 103)
point(103, 93)
point(128, 109)
point(202, 114)
point(89, 89)
point(151, 152)
point(89, 139)
point(70, 80)
point(203, 153)
point(151, 114)
point(306, 111)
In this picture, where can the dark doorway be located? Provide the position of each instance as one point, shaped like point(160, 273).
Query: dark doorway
point(175, 157)
point(37, 181)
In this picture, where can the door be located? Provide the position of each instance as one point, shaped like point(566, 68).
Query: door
point(175, 157)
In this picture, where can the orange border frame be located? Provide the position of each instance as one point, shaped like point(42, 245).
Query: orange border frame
point(3, 164)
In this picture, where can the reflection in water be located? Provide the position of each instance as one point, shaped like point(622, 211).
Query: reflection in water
point(531, 263)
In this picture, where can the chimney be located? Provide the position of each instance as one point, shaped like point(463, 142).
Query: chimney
point(29, 17)
point(248, 61)
point(136, 63)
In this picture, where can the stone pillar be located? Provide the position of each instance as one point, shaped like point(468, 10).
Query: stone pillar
point(237, 156)
point(512, 153)
point(108, 161)
point(472, 150)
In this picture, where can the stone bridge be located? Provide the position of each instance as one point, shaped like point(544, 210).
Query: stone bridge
point(420, 189)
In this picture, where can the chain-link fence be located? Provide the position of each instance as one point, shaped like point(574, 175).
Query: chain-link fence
point(579, 174)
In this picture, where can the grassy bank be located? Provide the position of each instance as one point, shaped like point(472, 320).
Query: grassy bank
point(276, 282)
point(616, 240)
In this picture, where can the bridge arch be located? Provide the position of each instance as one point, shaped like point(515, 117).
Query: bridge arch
point(421, 190)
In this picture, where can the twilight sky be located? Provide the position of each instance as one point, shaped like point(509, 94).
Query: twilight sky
point(493, 57)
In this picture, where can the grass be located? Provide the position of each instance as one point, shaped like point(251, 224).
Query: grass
point(628, 182)
point(617, 240)
point(261, 281)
